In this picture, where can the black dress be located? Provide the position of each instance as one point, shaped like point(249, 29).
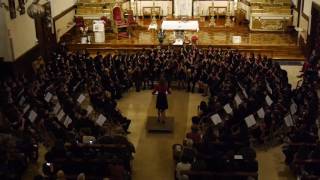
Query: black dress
point(162, 102)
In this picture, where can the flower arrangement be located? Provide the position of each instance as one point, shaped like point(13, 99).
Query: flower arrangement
point(84, 29)
point(194, 39)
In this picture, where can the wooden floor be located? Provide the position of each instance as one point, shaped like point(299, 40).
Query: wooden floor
point(277, 45)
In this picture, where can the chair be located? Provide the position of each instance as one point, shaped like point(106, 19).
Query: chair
point(79, 21)
point(107, 24)
point(131, 21)
point(120, 25)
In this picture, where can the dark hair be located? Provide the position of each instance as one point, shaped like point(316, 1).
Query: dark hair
point(162, 81)
point(203, 106)
point(195, 120)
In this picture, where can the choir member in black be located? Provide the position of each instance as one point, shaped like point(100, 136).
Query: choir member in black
point(137, 78)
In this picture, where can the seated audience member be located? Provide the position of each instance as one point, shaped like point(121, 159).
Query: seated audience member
point(203, 109)
point(194, 135)
point(195, 120)
point(117, 171)
point(183, 165)
point(81, 176)
point(60, 175)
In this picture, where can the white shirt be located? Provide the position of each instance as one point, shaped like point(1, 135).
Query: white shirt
point(182, 167)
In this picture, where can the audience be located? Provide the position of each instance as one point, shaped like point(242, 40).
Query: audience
point(47, 108)
point(74, 96)
point(302, 143)
point(240, 88)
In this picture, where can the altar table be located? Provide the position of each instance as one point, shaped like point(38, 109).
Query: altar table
point(180, 25)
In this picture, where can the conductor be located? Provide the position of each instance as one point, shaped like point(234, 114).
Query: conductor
point(162, 103)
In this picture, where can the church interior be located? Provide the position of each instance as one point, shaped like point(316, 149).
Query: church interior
point(160, 89)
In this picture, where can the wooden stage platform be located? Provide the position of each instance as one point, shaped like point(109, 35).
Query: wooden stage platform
point(276, 45)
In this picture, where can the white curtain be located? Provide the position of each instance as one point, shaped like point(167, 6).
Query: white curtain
point(182, 7)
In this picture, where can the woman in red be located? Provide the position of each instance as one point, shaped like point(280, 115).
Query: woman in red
point(162, 103)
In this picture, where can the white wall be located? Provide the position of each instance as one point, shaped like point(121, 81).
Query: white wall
point(165, 6)
point(21, 32)
point(304, 23)
point(308, 6)
point(245, 8)
point(295, 18)
point(5, 50)
point(64, 24)
point(58, 6)
point(183, 7)
point(295, 2)
point(126, 5)
point(203, 6)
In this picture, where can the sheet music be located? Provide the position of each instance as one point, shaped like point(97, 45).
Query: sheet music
point(244, 93)
point(237, 99)
point(261, 113)
point(48, 97)
point(81, 98)
point(101, 119)
point(88, 139)
point(89, 109)
point(57, 108)
point(228, 109)
point(269, 100)
point(293, 108)
point(22, 100)
point(76, 86)
point(237, 156)
point(216, 119)
point(288, 120)
point(67, 121)
point(241, 87)
point(26, 108)
point(20, 92)
point(32, 116)
point(60, 115)
point(268, 87)
point(250, 121)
